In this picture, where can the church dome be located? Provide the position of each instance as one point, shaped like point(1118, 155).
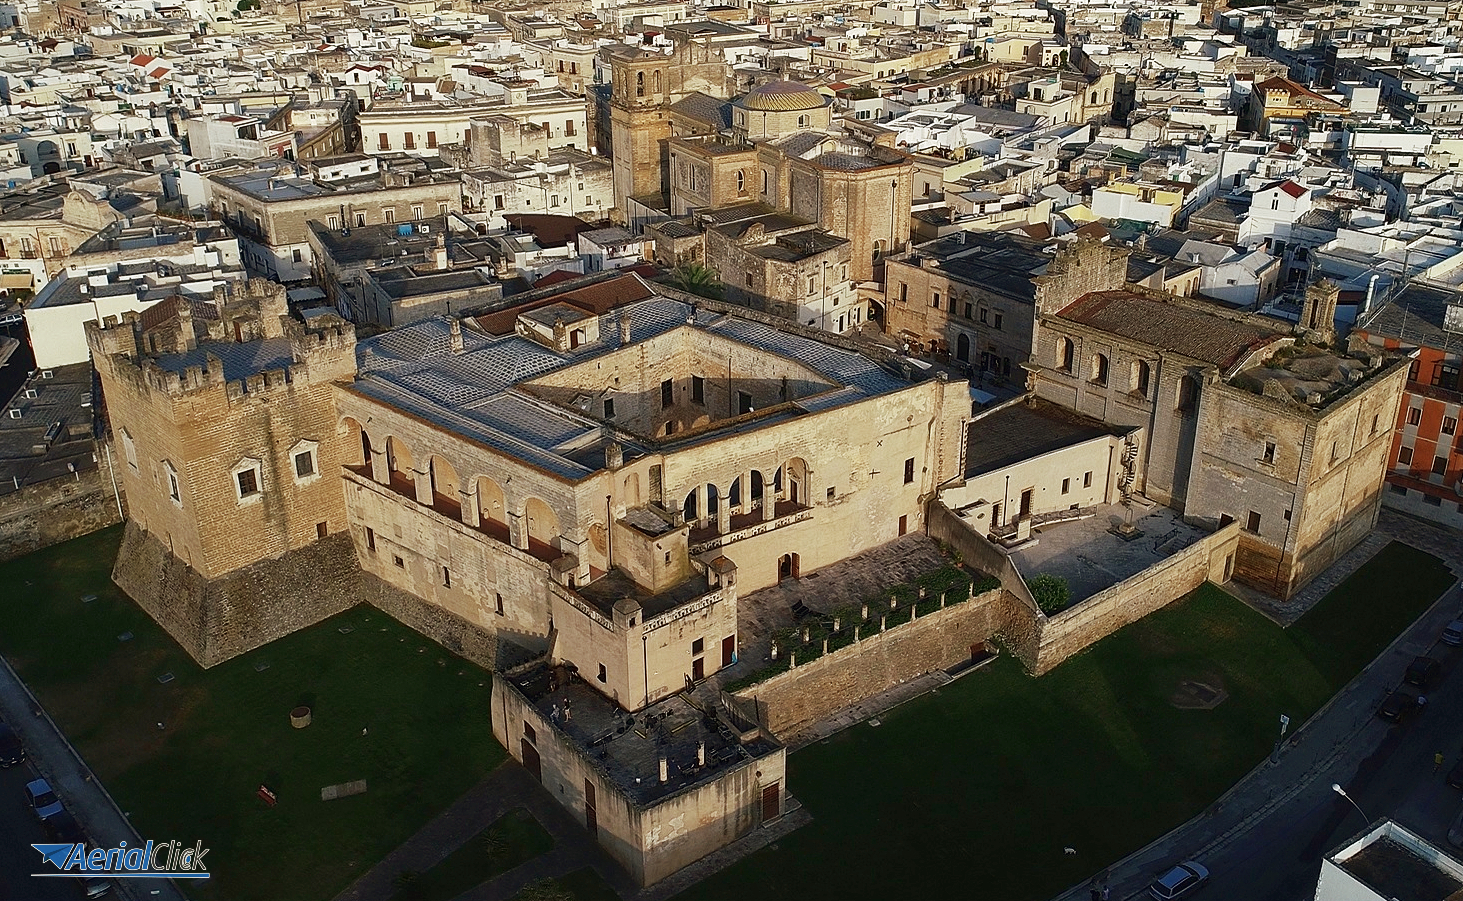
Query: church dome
point(781, 97)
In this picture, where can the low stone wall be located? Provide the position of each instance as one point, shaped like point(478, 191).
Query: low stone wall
point(1210, 559)
point(1017, 628)
point(437, 623)
point(47, 513)
point(806, 694)
point(250, 607)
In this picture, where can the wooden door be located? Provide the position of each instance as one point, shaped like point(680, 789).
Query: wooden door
point(530, 759)
point(698, 669)
point(771, 802)
point(728, 650)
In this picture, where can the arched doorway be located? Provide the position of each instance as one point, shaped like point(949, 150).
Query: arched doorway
point(962, 348)
point(788, 567)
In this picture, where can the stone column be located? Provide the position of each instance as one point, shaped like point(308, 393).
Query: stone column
point(469, 499)
point(517, 530)
point(723, 516)
point(423, 481)
point(769, 499)
point(703, 516)
point(380, 466)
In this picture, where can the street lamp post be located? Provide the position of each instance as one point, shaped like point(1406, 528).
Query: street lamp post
point(1336, 787)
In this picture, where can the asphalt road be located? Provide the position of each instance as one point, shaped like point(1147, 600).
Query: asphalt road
point(1279, 858)
point(18, 828)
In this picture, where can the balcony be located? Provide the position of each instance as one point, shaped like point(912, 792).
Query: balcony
point(747, 525)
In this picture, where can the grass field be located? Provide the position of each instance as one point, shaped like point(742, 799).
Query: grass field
point(389, 707)
point(977, 789)
point(514, 839)
point(581, 885)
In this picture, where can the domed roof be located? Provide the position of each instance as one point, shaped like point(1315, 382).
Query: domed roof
point(782, 97)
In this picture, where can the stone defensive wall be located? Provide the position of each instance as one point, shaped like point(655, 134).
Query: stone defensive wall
point(215, 620)
point(60, 509)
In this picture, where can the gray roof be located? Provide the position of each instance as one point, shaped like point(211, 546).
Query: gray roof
point(240, 360)
point(1414, 316)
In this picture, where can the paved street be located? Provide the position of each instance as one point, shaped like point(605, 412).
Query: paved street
point(53, 758)
point(1264, 839)
point(17, 859)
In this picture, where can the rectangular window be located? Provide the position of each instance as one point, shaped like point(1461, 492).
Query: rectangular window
point(416, 211)
point(360, 220)
point(568, 128)
point(370, 539)
point(1253, 525)
point(1398, 489)
point(1450, 425)
point(1066, 485)
point(1268, 455)
point(497, 201)
point(935, 300)
point(1440, 466)
point(997, 324)
point(410, 141)
point(903, 292)
point(332, 222)
point(1414, 415)
point(248, 481)
point(983, 313)
point(603, 676)
point(441, 208)
point(698, 389)
point(744, 402)
point(968, 309)
point(174, 491)
point(812, 286)
point(304, 464)
point(499, 601)
point(831, 492)
point(667, 394)
point(431, 139)
point(528, 732)
point(297, 256)
point(1087, 479)
point(698, 646)
point(322, 529)
point(909, 471)
point(609, 408)
point(446, 577)
point(1432, 500)
point(389, 214)
point(1404, 455)
point(384, 141)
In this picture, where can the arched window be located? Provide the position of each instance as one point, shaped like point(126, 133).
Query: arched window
point(764, 181)
point(1140, 377)
point(1099, 369)
point(1064, 354)
point(741, 181)
point(639, 84)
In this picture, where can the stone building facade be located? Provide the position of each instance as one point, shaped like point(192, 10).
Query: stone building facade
point(788, 268)
point(223, 418)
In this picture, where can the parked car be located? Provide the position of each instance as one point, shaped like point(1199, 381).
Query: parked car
point(42, 799)
point(1399, 706)
point(1179, 882)
point(64, 828)
point(1455, 775)
point(11, 750)
point(1453, 633)
point(97, 887)
point(1421, 672)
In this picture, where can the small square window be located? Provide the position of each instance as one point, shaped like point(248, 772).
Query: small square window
point(1253, 525)
point(1432, 500)
point(1414, 415)
point(1268, 454)
point(304, 464)
point(1450, 425)
point(1404, 455)
point(1066, 485)
point(831, 492)
point(248, 482)
point(1087, 479)
point(528, 732)
point(322, 530)
point(698, 646)
point(1440, 466)
point(400, 563)
point(1398, 489)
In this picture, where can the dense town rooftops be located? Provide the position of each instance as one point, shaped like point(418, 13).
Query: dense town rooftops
point(1418, 315)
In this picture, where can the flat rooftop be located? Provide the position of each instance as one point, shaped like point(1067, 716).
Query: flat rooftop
point(1395, 863)
point(627, 748)
point(614, 586)
point(1183, 328)
point(1092, 558)
point(1023, 431)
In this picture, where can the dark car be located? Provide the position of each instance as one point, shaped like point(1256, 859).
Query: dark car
point(1455, 775)
point(1453, 633)
point(1399, 706)
point(42, 800)
point(11, 750)
point(97, 887)
point(64, 828)
point(1422, 671)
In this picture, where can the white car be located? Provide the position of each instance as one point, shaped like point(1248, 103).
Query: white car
point(1179, 882)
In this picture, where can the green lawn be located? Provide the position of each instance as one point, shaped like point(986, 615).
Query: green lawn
point(581, 885)
point(977, 789)
point(512, 840)
point(1353, 623)
point(389, 707)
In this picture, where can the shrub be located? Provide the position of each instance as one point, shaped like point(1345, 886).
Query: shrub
point(1050, 592)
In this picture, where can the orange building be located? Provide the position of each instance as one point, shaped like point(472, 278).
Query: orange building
point(1427, 457)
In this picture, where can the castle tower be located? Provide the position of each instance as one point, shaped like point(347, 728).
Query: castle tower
point(223, 415)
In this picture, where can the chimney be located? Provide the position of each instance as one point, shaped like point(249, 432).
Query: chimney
point(614, 455)
point(624, 327)
point(665, 770)
point(455, 336)
point(439, 253)
point(701, 754)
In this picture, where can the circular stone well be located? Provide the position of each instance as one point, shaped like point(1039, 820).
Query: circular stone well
point(300, 717)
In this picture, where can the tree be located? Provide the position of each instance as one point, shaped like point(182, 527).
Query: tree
point(694, 278)
point(1050, 592)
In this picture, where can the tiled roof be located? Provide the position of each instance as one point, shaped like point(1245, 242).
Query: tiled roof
point(1183, 329)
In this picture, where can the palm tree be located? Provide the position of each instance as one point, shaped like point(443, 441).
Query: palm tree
point(695, 278)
